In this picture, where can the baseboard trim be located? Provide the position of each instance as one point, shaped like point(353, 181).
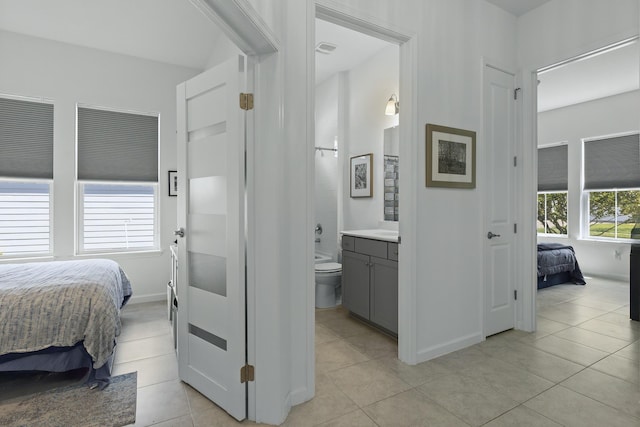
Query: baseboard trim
point(449, 347)
point(139, 299)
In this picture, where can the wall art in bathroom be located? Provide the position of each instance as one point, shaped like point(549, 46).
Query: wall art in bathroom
point(362, 176)
point(451, 157)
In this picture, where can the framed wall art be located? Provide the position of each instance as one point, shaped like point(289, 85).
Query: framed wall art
point(450, 157)
point(362, 176)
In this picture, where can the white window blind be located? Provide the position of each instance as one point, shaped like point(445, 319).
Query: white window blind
point(612, 163)
point(553, 168)
point(118, 217)
point(25, 218)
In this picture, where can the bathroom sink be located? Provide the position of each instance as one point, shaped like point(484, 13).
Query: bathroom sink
point(386, 232)
point(380, 234)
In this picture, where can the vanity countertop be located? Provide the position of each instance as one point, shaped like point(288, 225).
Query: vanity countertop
point(376, 234)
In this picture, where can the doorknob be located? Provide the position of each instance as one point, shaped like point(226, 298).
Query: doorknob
point(490, 235)
point(179, 232)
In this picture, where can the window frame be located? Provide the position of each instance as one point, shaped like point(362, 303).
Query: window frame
point(79, 185)
point(80, 250)
point(585, 205)
point(545, 193)
point(587, 228)
point(30, 255)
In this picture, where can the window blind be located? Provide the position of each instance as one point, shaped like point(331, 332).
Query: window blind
point(612, 163)
point(115, 146)
point(25, 217)
point(552, 168)
point(26, 139)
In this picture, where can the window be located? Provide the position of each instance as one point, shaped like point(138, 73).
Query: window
point(117, 181)
point(26, 173)
point(118, 216)
point(612, 185)
point(552, 190)
point(552, 213)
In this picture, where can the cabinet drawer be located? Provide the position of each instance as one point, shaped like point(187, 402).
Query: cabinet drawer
point(376, 248)
point(348, 243)
point(393, 251)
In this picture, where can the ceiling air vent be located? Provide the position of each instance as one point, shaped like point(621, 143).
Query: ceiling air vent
point(325, 48)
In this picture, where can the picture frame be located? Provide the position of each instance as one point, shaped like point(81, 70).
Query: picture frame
point(361, 175)
point(450, 157)
point(173, 183)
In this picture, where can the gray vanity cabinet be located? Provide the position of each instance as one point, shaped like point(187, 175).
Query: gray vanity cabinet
point(383, 303)
point(370, 280)
point(355, 273)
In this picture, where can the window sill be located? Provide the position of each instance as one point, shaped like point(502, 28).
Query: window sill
point(21, 259)
point(605, 240)
point(134, 254)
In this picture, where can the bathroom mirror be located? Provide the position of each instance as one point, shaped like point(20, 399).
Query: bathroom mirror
point(391, 153)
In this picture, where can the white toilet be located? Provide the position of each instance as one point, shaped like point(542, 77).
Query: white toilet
point(328, 284)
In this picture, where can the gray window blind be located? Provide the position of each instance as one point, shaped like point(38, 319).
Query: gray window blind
point(552, 168)
point(114, 146)
point(26, 139)
point(612, 163)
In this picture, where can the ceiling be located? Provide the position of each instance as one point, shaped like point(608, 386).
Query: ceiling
point(176, 32)
point(610, 73)
point(169, 31)
point(352, 49)
point(518, 7)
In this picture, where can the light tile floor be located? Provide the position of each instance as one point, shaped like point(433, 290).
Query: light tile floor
point(581, 368)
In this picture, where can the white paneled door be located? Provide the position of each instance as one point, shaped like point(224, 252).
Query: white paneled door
point(499, 248)
point(211, 242)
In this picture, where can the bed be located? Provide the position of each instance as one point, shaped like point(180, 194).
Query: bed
point(557, 264)
point(62, 315)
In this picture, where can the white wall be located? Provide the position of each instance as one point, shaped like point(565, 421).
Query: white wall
point(452, 37)
point(326, 166)
point(602, 117)
point(369, 86)
point(69, 74)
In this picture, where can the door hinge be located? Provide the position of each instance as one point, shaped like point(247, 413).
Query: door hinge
point(246, 101)
point(515, 294)
point(247, 373)
point(515, 161)
point(515, 228)
point(515, 93)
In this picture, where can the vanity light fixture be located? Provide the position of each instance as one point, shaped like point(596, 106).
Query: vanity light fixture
point(393, 106)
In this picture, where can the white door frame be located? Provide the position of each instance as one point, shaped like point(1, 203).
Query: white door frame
point(527, 151)
point(407, 40)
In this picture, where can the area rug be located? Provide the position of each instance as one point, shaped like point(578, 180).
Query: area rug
point(75, 405)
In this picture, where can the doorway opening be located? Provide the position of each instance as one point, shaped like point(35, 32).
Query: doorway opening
point(586, 117)
point(331, 134)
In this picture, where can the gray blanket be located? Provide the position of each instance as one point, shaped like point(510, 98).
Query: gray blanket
point(62, 303)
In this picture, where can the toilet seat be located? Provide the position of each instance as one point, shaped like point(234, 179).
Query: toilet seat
point(328, 267)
